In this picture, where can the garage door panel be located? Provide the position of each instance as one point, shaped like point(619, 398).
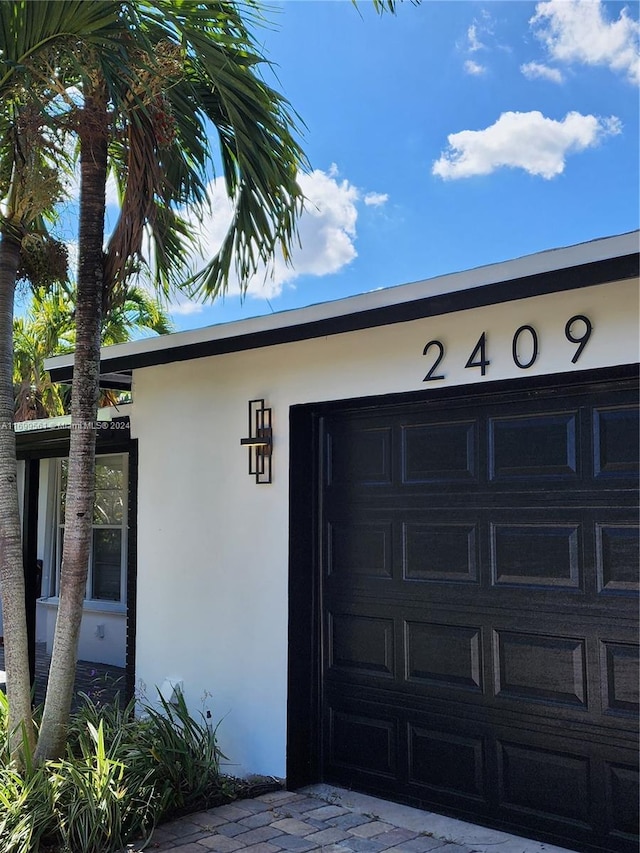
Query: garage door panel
point(444, 655)
point(504, 665)
point(616, 433)
point(445, 762)
point(440, 552)
point(360, 456)
point(362, 644)
point(621, 677)
point(479, 580)
point(622, 798)
point(534, 447)
point(617, 557)
point(540, 668)
point(360, 548)
point(555, 555)
point(449, 762)
point(546, 555)
point(439, 452)
point(546, 784)
point(363, 743)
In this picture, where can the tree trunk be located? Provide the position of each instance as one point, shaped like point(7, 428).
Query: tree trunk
point(84, 397)
point(11, 569)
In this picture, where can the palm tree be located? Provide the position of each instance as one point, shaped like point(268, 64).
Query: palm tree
point(30, 151)
point(48, 328)
point(151, 79)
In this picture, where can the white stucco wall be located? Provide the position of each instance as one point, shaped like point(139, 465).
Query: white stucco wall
point(213, 546)
point(102, 631)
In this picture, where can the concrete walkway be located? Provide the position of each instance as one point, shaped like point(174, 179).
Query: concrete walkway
point(331, 820)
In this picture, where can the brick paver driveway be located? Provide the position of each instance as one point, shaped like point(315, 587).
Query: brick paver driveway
point(331, 820)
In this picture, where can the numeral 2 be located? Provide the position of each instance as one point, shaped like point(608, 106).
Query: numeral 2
point(430, 377)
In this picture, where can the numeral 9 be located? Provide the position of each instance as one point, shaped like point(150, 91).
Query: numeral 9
point(583, 339)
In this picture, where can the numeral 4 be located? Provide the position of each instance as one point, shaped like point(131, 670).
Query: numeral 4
point(478, 357)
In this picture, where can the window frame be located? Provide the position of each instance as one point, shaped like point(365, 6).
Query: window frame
point(89, 601)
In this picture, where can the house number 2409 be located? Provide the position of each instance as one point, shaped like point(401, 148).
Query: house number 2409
point(577, 331)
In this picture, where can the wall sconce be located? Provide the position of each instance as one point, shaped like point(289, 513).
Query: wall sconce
point(259, 442)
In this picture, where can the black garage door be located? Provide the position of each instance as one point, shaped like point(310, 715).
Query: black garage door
point(479, 563)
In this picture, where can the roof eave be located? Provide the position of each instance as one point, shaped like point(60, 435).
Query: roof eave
point(317, 321)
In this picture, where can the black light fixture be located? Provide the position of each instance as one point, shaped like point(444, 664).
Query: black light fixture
point(259, 442)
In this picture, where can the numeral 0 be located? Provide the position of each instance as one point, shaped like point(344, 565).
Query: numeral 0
point(583, 339)
point(534, 346)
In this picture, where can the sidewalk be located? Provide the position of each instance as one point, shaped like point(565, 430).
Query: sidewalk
point(331, 820)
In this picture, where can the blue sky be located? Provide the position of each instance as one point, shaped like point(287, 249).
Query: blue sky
point(451, 135)
point(409, 120)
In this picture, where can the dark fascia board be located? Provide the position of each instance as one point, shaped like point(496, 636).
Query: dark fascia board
point(116, 381)
point(112, 437)
point(568, 278)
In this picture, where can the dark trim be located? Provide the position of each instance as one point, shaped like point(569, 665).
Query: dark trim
point(30, 555)
point(132, 572)
point(116, 381)
point(304, 742)
point(112, 437)
point(303, 695)
point(569, 278)
point(504, 388)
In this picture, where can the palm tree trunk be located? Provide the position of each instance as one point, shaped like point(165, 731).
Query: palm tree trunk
point(11, 567)
point(84, 398)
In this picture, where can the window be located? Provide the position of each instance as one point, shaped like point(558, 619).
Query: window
point(106, 580)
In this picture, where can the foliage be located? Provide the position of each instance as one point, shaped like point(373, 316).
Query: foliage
point(48, 328)
point(26, 809)
point(136, 87)
point(122, 773)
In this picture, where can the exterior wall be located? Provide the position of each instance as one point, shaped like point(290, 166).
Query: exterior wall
point(213, 546)
point(102, 631)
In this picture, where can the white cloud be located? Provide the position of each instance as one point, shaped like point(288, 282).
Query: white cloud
point(577, 31)
point(474, 68)
point(480, 36)
point(72, 187)
point(185, 309)
point(473, 39)
point(112, 191)
point(537, 71)
point(327, 230)
point(527, 141)
point(376, 199)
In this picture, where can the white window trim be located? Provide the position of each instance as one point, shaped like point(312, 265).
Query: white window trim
point(91, 605)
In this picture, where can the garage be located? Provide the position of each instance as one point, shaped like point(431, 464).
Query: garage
point(432, 596)
point(475, 622)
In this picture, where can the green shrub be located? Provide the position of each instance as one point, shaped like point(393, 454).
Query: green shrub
point(184, 756)
point(26, 798)
point(88, 796)
point(121, 775)
point(26, 810)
